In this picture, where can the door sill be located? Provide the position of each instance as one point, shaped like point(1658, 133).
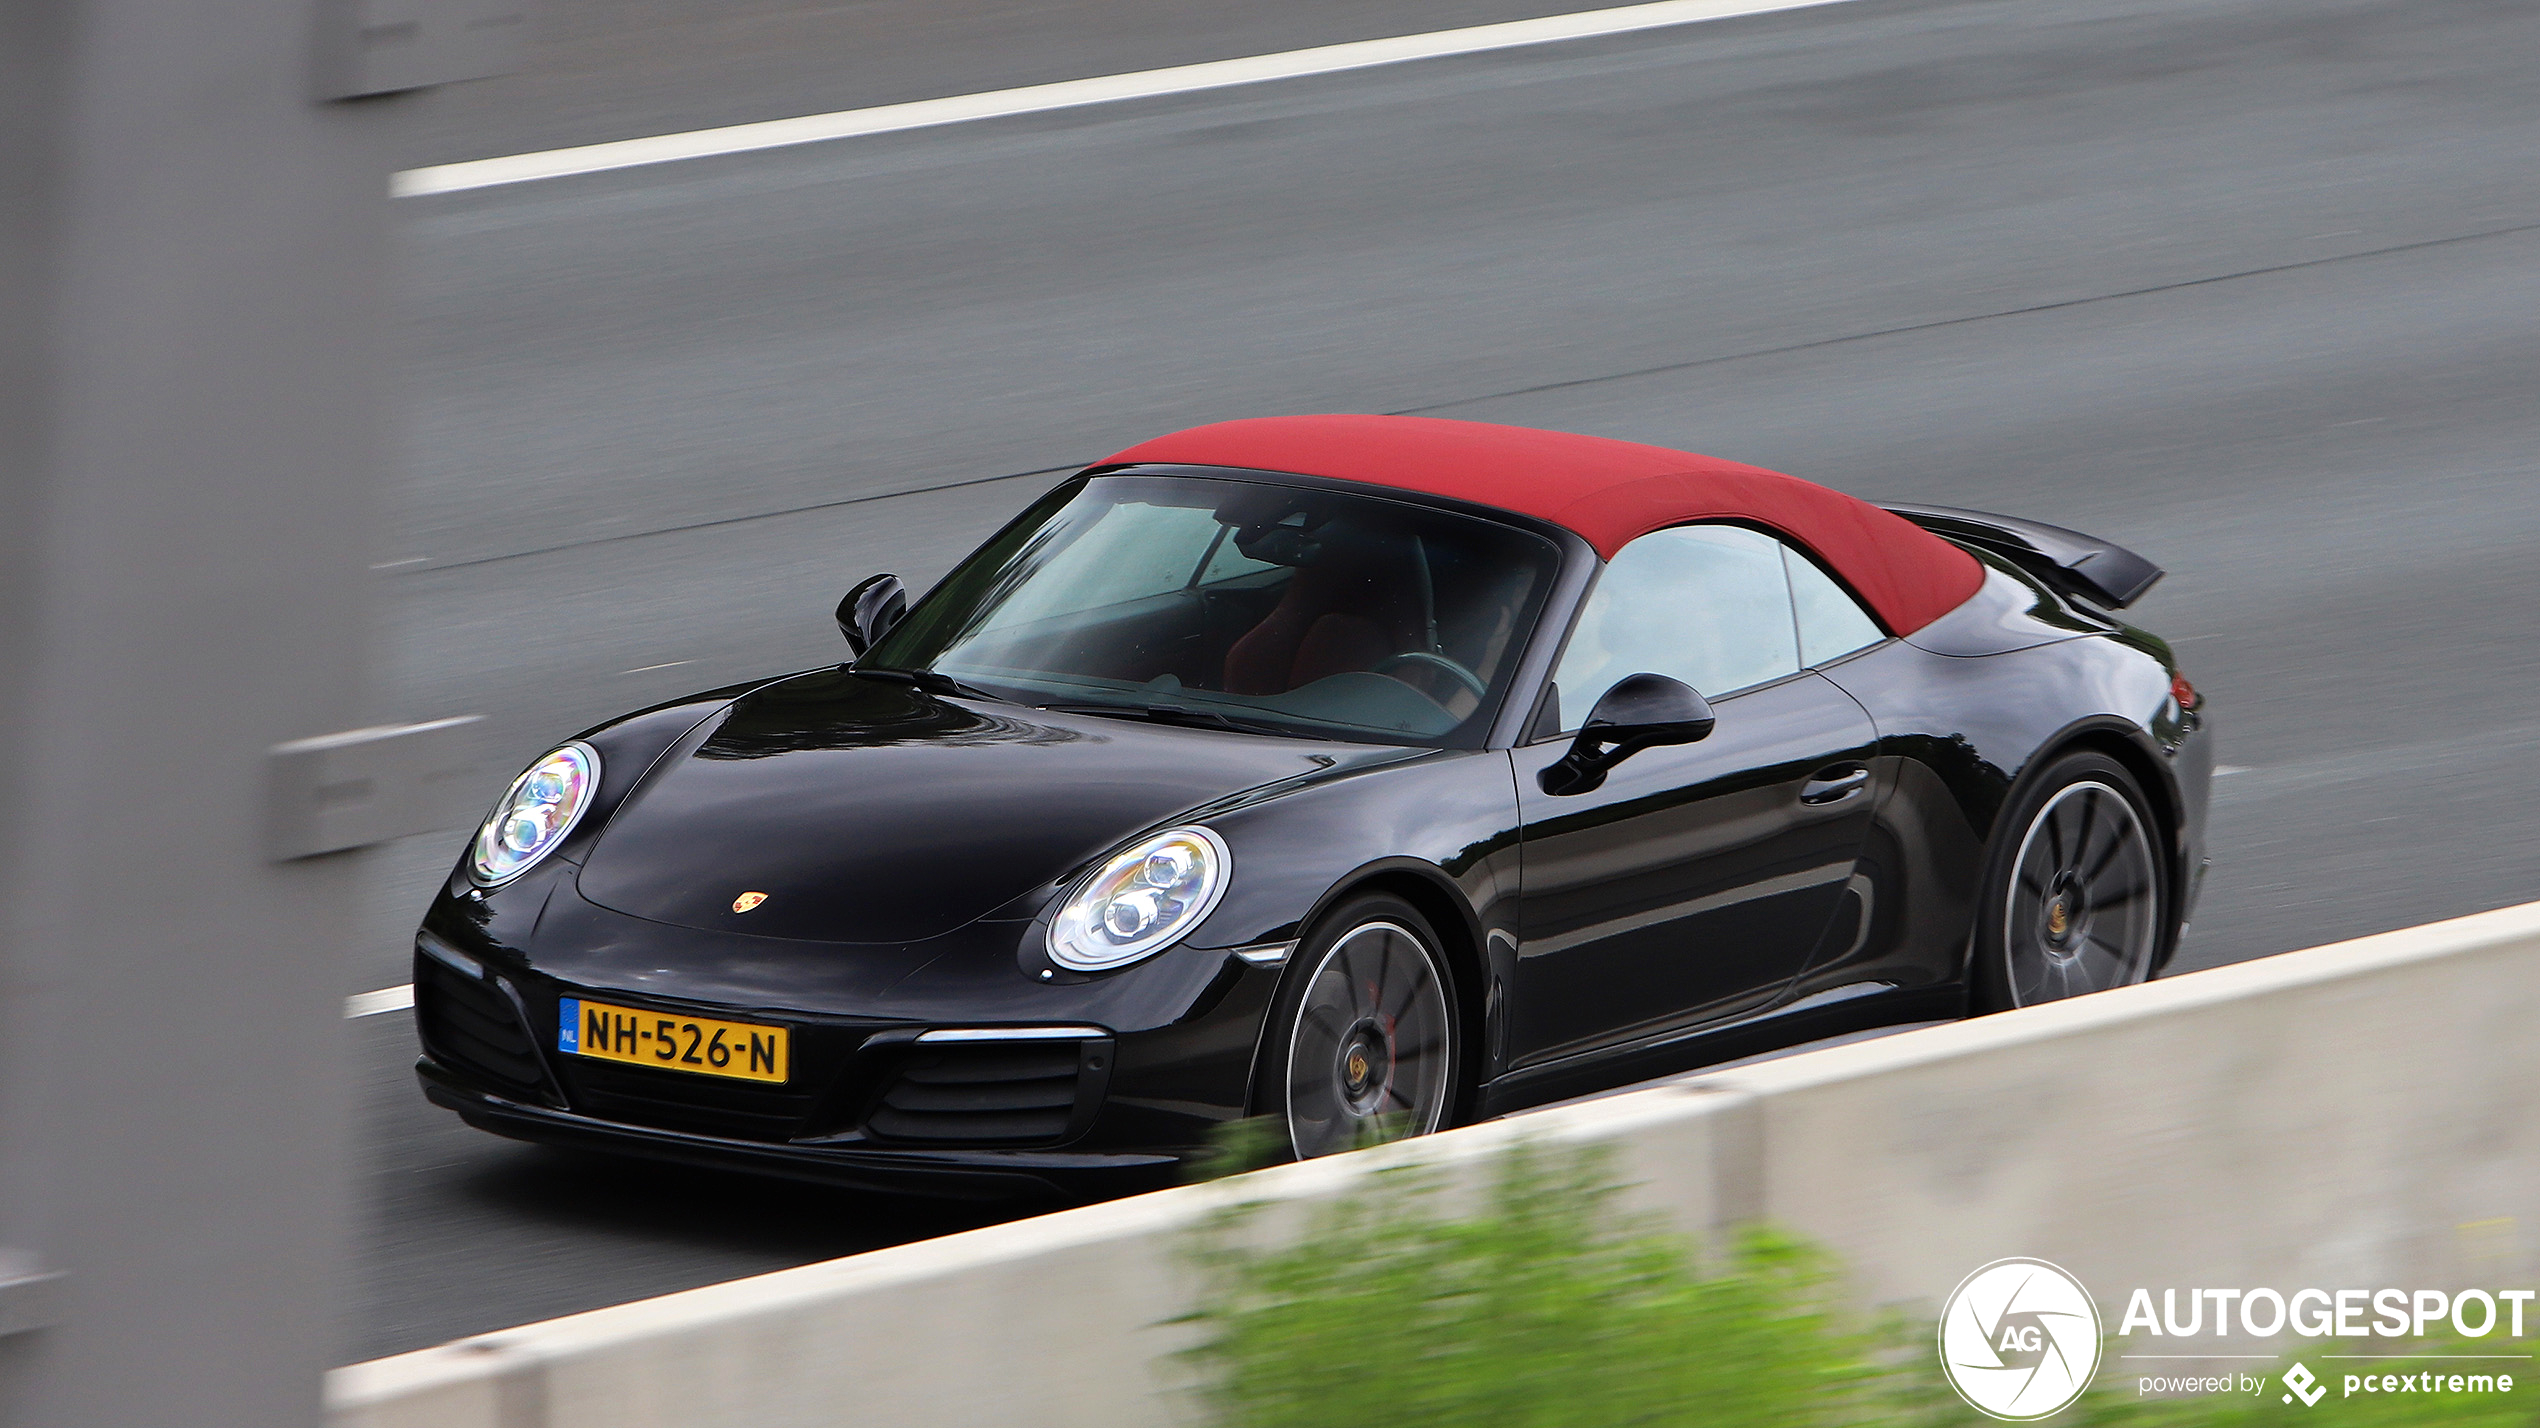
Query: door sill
point(1756, 1036)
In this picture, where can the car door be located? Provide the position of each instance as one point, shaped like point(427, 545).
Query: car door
point(1693, 883)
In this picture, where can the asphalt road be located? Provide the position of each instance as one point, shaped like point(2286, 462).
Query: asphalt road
point(596, 70)
point(2250, 285)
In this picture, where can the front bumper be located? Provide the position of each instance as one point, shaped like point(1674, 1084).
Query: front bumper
point(962, 1173)
point(1118, 1081)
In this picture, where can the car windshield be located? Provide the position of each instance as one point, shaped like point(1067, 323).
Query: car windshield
point(1242, 604)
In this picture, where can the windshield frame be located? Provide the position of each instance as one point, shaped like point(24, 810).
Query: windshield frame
point(1496, 722)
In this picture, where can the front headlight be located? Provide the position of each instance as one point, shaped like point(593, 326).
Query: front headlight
point(541, 808)
point(1140, 901)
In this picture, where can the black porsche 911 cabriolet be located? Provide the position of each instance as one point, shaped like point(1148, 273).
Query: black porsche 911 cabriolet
point(1369, 773)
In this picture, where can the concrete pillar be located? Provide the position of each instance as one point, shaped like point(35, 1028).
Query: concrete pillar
point(192, 317)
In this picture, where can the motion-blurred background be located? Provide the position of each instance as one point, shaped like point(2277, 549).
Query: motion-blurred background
point(2247, 285)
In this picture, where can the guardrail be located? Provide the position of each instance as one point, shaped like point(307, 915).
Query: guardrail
point(2338, 1116)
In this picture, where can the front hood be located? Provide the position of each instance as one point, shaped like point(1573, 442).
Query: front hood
point(869, 811)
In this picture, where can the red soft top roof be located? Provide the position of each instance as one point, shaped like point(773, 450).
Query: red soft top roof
point(1608, 491)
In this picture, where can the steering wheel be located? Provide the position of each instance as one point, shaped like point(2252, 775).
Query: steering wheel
point(1457, 672)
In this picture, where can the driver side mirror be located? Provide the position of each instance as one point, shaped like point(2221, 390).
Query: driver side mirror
point(870, 610)
point(1640, 712)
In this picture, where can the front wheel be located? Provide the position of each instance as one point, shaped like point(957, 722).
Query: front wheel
point(1366, 1051)
point(2073, 898)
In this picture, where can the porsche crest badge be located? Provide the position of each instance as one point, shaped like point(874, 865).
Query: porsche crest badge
point(748, 900)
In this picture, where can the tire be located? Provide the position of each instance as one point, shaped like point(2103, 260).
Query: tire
point(1366, 1046)
point(2074, 894)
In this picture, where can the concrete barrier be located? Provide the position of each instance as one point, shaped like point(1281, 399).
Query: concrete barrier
point(2358, 1115)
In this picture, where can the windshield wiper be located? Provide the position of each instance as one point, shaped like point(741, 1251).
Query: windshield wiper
point(926, 679)
point(1185, 716)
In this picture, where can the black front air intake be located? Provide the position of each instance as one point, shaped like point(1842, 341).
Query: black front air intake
point(992, 1093)
point(472, 1025)
point(675, 1100)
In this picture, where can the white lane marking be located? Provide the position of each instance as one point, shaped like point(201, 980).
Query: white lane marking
point(395, 564)
point(386, 999)
point(2222, 769)
point(1069, 94)
point(649, 668)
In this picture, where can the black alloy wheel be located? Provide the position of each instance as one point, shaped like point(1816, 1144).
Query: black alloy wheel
point(2074, 894)
point(1367, 1049)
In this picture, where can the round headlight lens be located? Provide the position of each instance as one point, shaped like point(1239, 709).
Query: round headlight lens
point(1140, 901)
point(535, 815)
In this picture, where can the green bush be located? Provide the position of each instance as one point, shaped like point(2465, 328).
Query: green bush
point(1548, 1309)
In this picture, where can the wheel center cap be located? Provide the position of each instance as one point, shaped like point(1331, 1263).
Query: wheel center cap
point(2059, 919)
point(1365, 1067)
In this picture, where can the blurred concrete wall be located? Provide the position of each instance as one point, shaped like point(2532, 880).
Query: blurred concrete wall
point(2330, 1118)
point(192, 289)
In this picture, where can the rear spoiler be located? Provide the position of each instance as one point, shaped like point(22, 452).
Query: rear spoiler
point(2085, 567)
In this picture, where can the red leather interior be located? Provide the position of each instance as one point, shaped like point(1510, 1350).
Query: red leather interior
point(1329, 621)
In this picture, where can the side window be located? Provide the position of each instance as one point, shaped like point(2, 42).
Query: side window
point(1831, 622)
point(1709, 605)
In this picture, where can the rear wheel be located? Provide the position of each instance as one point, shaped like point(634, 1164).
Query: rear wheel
point(1366, 1051)
point(2073, 898)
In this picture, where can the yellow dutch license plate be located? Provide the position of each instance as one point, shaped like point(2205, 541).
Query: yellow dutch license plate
point(674, 1043)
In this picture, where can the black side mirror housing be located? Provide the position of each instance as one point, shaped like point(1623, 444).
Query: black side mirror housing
point(1641, 711)
point(870, 610)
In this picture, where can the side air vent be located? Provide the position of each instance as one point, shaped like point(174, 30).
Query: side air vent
point(992, 1093)
point(470, 1024)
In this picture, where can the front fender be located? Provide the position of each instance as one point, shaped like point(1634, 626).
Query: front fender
point(1448, 819)
point(628, 746)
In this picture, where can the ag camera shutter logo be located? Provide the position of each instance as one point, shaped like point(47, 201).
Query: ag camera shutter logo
point(2019, 1339)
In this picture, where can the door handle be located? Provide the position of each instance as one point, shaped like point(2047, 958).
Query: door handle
point(1834, 785)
